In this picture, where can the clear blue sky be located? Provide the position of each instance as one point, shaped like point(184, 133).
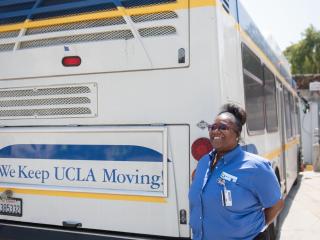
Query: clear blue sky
point(284, 20)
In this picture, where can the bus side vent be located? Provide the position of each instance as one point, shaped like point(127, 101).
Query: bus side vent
point(49, 102)
point(144, 3)
point(38, 91)
point(225, 5)
point(45, 23)
point(38, 102)
point(44, 112)
point(6, 47)
point(79, 25)
point(9, 34)
point(154, 16)
point(111, 35)
point(157, 31)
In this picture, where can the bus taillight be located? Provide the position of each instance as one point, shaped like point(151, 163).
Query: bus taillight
point(71, 61)
point(200, 147)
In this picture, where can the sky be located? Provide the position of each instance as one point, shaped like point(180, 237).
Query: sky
point(284, 20)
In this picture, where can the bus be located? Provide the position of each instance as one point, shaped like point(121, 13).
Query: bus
point(104, 107)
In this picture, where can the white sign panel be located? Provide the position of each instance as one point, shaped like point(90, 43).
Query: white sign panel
point(107, 160)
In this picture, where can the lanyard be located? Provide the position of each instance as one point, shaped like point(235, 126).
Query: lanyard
point(211, 164)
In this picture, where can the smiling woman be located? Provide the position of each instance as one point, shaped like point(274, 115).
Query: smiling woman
point(231, 187)
point(225, 132)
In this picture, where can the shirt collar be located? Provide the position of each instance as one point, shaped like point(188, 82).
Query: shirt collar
point(229, 155)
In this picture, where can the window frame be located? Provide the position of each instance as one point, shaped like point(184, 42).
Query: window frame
point(247, 73)
point(274, 94)
point(287, 114)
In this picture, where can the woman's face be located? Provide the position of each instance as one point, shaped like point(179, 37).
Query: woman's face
point(223, 133)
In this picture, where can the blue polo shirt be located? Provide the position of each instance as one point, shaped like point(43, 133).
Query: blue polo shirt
point(253, 186)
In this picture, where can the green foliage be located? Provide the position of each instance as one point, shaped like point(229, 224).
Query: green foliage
point(304, 56)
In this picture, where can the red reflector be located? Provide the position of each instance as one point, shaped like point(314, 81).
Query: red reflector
point(200, 147)
point(71, 61)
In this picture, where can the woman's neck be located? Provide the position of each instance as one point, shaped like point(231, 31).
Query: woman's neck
point(220, 153)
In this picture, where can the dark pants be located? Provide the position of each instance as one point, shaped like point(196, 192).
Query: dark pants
point(262, 236)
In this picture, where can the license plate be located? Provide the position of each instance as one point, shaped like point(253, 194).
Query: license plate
point(11, 207)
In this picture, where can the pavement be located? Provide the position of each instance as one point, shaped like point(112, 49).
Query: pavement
point(300, 219)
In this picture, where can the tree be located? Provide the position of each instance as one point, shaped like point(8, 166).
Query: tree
point(304, 56)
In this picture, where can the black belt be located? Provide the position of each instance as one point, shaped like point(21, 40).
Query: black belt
point(262, 236)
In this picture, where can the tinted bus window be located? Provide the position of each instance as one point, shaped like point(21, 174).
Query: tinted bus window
point(270, 100)
point(287, 114)
point(251, 62)
point(253, 89)
point(293, 116)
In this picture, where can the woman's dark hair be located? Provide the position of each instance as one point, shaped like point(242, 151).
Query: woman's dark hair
point(238, 112)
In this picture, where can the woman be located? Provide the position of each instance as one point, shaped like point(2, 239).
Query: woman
point(234, 194)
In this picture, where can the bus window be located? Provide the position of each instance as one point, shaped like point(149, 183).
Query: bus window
point(270, 100)
point(253, 87)
point(293, 116)
point(287, 114)
point(296, 108)
point(251, 62)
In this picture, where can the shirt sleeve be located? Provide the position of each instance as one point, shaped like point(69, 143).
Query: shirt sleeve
point(266, 185)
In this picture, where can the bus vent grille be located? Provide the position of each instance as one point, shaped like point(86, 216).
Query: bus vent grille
point(79, 25)
point(39, 102)
point(157, 31)
point(49, 102)
point(6, 47)
point(112, 35)
point(44, 91)
point(154, 16)
point(9, 34)
point(44, 112)
point(36, 24)
point(139, 3)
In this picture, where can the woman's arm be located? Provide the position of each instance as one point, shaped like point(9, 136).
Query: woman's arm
point(272, 212)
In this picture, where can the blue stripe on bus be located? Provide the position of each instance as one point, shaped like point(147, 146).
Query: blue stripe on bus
point(63, 8)
point(54, 9)
point(82, 152)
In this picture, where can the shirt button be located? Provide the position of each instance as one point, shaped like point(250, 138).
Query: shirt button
point(200, 218)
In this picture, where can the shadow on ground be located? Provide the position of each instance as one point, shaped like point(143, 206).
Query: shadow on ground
point(288, 202)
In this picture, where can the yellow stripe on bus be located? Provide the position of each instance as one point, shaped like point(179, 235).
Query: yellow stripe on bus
point(117, 197)
point(120, 12)
point(276, 153)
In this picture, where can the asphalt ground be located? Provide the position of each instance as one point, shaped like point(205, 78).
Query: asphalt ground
point(300, 219)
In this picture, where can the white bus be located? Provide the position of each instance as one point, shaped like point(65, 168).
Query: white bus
point(104, 106)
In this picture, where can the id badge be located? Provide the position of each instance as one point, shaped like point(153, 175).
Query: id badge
point(226, 197)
